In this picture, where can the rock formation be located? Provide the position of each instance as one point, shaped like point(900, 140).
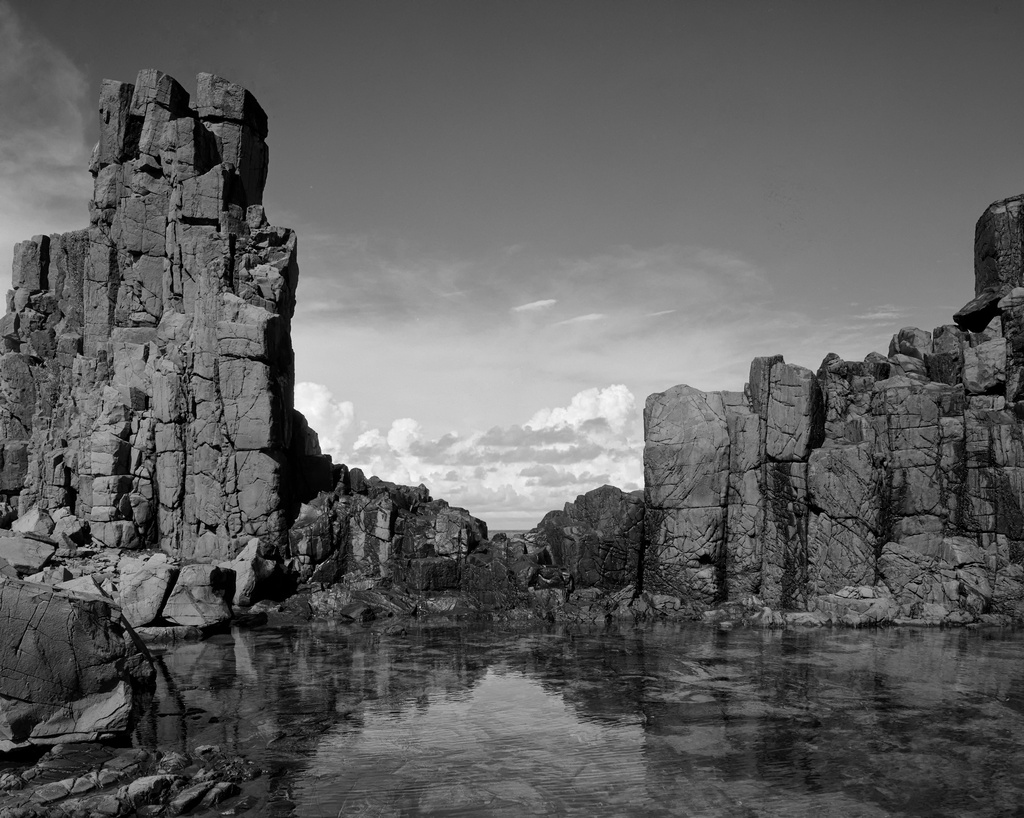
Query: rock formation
point(379, 530)
point(598, 538)
point(904, 472)
point(69, 669)
point(147, 370)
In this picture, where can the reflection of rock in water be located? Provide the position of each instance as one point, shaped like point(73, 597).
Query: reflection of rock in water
point(500, 745)
point(670, 720)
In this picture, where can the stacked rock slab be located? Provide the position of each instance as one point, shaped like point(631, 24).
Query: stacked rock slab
point(146, 382)
point(905, 470)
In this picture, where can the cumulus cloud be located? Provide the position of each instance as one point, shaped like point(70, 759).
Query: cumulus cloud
point(508, 475)
point(536, 306)
point(43, 152)
point(333, 420)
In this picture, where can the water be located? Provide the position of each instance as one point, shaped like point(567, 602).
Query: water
point(667, 721)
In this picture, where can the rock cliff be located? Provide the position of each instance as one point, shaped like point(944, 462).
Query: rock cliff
point(147, 370)
point(904, 472)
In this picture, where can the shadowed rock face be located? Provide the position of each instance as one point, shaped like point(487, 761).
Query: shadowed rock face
point(147, 370)
point(905, 471)
point(598, 537)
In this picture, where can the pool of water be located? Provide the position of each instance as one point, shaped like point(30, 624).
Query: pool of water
point(680, 720)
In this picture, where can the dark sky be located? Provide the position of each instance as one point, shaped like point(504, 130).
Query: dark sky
point(662, 189)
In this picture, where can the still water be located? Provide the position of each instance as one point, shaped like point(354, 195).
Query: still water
point(664, 721)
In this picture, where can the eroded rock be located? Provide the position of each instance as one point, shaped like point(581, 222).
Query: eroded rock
point(70, 669)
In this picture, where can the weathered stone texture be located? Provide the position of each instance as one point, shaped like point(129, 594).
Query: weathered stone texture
point(905, 471)
point(598, 538)
point(146, 372)
point(375, 529)
point(71, 671)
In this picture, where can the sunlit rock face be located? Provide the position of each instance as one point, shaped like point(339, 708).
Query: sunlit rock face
point(147, 370)
point(905, 470)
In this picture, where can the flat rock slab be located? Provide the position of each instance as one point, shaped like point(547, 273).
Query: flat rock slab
point(26, 556)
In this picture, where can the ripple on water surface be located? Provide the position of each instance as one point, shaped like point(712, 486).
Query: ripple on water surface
point(664, 721)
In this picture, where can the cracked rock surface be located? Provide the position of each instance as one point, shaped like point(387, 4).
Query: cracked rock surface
point(904, 472)
point(70, 668)
point(146, 374)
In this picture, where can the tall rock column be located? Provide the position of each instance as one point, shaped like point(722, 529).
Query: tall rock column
point(686, 477)
point(147, 382)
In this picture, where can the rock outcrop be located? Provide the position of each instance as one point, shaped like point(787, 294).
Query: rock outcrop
point(378, 530)
point(903, 471)
point(70, 669)
point(147, 371)
point(598, 538)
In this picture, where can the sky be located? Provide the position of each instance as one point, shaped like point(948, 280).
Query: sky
point(518, 219)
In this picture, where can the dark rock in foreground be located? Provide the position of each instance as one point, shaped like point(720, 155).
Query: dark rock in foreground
point(70, 670)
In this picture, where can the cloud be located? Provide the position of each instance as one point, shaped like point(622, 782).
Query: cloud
point(536, 306)
point(43, 153)
point(333, 420)
point(883, 312)
point(613, 404)
point(582, 319)
point(514, 473)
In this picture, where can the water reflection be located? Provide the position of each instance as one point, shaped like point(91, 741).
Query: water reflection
point(667, 721)
point(508, 746)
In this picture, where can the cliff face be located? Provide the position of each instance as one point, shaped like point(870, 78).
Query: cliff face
point(147, 374)
point(905, 471)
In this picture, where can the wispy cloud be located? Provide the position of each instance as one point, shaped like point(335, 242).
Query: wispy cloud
point(536, 306)
point(581, 319)
point(883, 312)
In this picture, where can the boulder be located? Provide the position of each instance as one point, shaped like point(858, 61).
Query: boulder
point(253, 572)
point(26, 556)
point(34, 521)
point(70, 669)
point(199, 597)
point(145, 587)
